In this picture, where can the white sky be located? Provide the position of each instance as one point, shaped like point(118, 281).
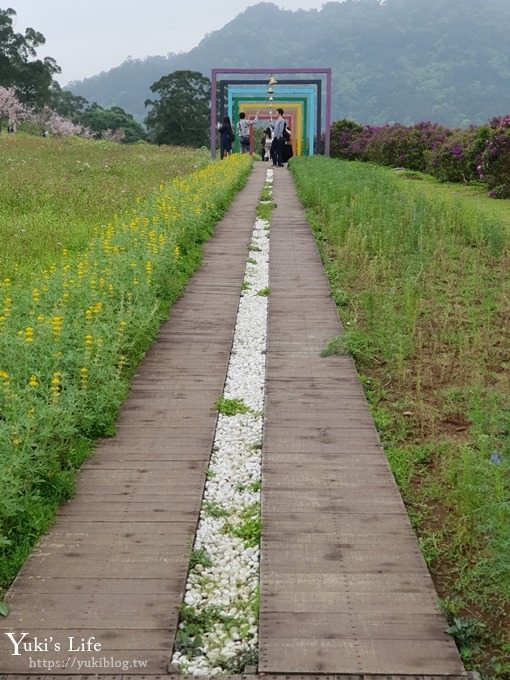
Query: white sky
point(86, 37)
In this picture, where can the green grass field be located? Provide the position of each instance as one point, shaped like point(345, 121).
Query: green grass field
point(101, 239)
point(54, 191)
point(419, 272)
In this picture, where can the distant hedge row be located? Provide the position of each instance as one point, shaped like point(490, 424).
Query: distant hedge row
point(479, 153)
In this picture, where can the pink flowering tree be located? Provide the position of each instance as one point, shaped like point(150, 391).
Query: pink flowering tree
point(11, 109)
point(61, 127)
point(113, 135)
point(51, 123)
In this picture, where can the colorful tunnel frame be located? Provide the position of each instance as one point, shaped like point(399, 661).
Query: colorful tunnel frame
point(299, 112)
point(301, 99)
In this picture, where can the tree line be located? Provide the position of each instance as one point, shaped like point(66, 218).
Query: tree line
point(29, 92)
point(398, 61)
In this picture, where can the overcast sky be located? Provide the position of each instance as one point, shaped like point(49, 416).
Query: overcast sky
point(86, 37)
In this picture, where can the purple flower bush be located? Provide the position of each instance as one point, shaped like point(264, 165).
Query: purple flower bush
point(495, 159)
point(478, 153)
point(405, 146)
point(343, 134)
point(458, 158)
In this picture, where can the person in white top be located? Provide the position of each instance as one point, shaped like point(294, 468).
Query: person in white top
point(267, 140)
point(243, 130)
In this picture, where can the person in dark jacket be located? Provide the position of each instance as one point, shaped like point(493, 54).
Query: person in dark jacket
point(287, 144)
point(226, 137)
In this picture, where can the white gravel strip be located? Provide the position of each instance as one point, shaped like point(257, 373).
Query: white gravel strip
point(218, 632)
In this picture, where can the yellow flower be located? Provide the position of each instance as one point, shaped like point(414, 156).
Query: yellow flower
point(33, 382)
point(84, 377)
point(29, 334)
point(56, 326)
point(56, 383)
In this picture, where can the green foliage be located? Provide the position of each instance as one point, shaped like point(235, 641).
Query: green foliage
point(466, 632)
point(100, 120)
point(65, 103)
point(86, 182)
point(264, 210)
point(248, 526)
point(75, 327)
point(264, 292)
point(195, 623)
point(199, 556)
point(181, 113)
point(334, 346)
point(214, 509)
point(30, 77)
point(231, 407)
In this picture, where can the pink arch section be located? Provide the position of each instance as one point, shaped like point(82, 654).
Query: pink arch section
point(254, 71)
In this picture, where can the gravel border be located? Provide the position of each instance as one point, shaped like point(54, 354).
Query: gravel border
point(218, 631)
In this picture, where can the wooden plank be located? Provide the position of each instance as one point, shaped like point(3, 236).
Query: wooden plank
point(344, 587)
point(367, 656)
point(97, 586)
point(59, 610)
point(333, 626)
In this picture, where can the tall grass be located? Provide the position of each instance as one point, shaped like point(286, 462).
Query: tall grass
point(72, 331)
point(421, 281)
point(55, 190)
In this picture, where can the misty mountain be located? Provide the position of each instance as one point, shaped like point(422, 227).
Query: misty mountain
point(447, 61)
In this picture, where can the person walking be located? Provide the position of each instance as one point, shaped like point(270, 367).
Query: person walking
point(243, 131)
point(278, 146)
point(267, 140)
point(226, 137)
point(287, 145)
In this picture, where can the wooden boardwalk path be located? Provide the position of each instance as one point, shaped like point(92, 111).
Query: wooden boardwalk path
point(343, 584)
point(344, 590)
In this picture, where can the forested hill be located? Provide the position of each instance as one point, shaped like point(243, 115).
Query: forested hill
point(447, 61)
